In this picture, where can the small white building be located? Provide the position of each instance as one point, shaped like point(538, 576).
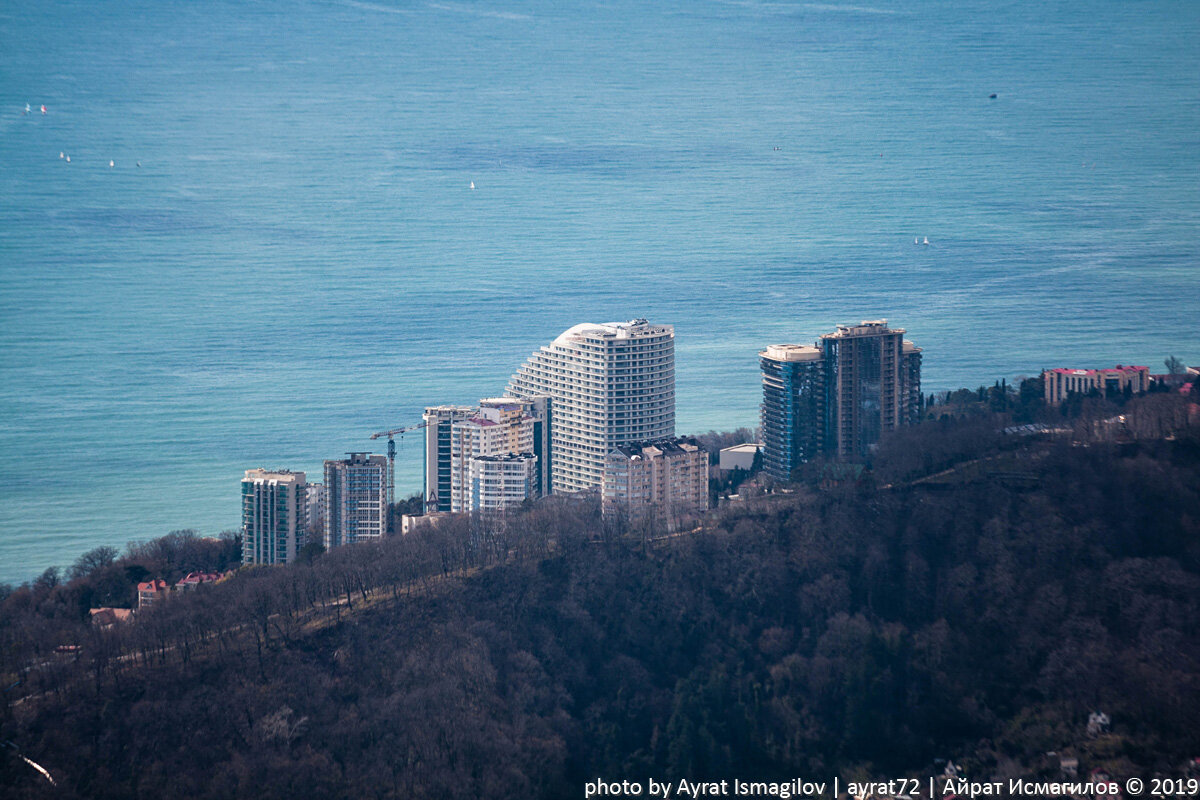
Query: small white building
point(413, 522)
point(740, 456)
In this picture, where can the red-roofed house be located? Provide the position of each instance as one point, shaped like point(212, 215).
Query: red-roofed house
point(1059, 383)
point(194, 579)
point(151, 592)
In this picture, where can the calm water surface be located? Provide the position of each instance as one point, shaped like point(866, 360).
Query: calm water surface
point(299, 261)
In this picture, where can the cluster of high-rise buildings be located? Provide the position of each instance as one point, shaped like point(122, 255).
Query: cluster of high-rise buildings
point(594, 410)
point(281, 511)
point(838, 395)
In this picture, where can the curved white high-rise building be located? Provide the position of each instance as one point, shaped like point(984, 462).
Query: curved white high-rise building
point(609, 384)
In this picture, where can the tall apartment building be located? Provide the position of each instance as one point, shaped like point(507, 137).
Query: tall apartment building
point(793, 407)
point(665, 481)
point(498, 427)
point(314, 506)
point(838, 396)
point(438, 421)
point(501, 427)
point(355, 499)
point(875, 384)
point(609, 385)
point(1058, 383)
point(274, 516)
point(496, 483)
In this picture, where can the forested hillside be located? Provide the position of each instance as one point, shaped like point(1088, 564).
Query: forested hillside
point(973, 597)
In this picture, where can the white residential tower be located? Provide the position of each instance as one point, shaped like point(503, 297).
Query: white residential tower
point(609, 384)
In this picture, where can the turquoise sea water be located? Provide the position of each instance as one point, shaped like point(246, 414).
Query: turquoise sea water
point(299, 260)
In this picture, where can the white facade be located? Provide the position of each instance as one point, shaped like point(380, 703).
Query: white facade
point(438, 423)
point(273, 516)
point(740, 456)
point(355, 499)
point(609, 384)
point(501, 426)
point(497, 483)
point(314, 503)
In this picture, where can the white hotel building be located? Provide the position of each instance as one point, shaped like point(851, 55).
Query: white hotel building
point(609, 384)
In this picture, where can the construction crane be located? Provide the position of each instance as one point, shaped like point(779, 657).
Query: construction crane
point(391, 487)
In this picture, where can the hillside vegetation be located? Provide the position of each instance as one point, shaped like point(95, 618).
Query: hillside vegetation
point(975, 596)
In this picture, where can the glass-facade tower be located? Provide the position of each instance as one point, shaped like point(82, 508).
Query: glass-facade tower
point(837, 397)
point(793, 407)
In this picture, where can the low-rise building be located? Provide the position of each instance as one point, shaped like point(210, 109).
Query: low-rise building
point(740, 456)
point(194, 579)
point(151, 592)
point(1059, 383)
point(108, 617)
point(664, 482)
point(414, 522)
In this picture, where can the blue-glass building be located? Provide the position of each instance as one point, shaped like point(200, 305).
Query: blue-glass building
point(793, 407)
point(837, 397)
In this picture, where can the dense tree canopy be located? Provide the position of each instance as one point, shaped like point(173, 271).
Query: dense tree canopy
point(974, 596)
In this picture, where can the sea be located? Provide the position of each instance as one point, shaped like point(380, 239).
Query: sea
point(285, 225)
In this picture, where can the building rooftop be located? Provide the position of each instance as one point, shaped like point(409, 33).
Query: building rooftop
point(791, 352)
point(502, 403)
point(1117, 368)
point(200, 577)
point(358, 460)
point(103, 617)
point(613, 330)
point(282, 475)
point(507, 457)
point(868, 327)
point(635, 450)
